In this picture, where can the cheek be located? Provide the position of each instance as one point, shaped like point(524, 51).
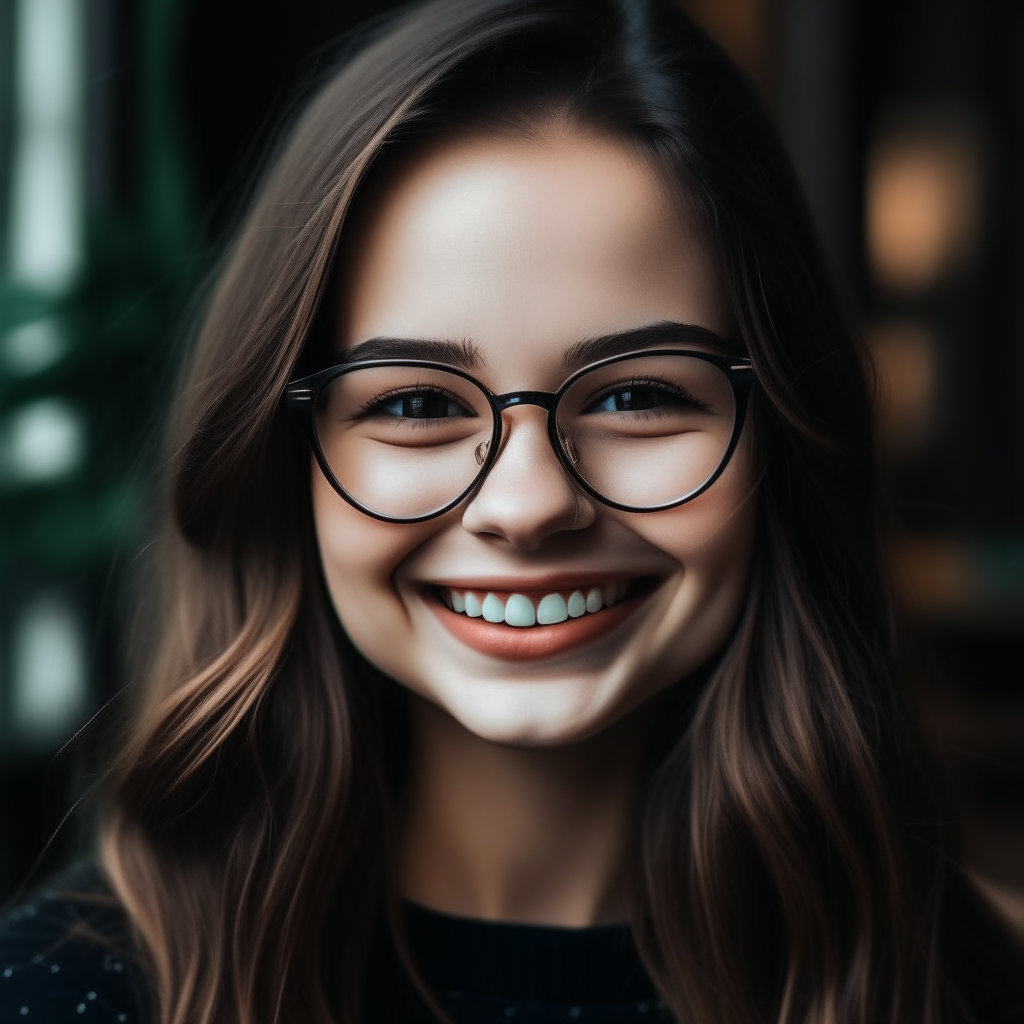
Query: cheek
point(717, 528)
point(359, 556)
point(712, 540)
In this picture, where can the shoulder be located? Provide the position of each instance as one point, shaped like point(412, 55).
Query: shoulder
point(65, 955)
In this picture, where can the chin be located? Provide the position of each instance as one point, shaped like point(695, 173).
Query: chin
point(529, 714)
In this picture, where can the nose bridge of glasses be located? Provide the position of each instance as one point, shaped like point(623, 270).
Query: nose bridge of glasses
point(545, 399)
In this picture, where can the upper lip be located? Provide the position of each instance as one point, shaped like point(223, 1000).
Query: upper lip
point(546, 583)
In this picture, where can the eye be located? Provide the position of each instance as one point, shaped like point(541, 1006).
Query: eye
point(629, 400)
point(642, 397)
point(420, 405)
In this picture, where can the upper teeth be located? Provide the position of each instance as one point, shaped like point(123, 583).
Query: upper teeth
point(520, 610)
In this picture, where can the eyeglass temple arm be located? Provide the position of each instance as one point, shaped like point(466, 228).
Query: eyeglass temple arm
point(299, 398)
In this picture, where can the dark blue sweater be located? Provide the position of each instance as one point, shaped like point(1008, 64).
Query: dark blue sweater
point(67, 958)
point(66, 955)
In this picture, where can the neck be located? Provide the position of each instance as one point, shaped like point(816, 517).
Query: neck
point(513, 834)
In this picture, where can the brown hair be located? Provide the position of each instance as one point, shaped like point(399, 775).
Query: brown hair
point(792, 866)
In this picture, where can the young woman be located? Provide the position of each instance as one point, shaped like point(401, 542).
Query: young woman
point(525, 651)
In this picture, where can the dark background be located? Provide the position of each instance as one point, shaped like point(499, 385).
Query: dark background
point(905, 119)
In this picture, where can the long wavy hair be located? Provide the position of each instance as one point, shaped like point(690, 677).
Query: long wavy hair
point(792, 865)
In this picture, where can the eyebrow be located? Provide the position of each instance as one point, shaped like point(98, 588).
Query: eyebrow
point(665, 332)
point(463, 354)
point(467, 356)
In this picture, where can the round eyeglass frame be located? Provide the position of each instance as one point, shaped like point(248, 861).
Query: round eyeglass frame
point(301, 397)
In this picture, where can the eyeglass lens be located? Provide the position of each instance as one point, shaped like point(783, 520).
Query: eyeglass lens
point(648, 431)
point(405, 441)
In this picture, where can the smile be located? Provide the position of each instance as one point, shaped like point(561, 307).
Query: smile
point(536, 624)
point(524, 610)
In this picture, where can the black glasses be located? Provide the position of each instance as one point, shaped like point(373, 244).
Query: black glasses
point(404, 440)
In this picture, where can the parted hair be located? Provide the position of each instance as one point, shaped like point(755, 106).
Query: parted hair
point(792, 864)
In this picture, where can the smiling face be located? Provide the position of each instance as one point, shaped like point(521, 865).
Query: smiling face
point(512, 253)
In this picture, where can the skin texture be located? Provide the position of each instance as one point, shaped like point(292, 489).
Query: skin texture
point(525, 772)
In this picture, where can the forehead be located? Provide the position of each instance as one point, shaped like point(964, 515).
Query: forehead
point(523, 248)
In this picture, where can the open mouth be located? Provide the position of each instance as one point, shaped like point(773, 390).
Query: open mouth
point(535, 624)
point(523, 610)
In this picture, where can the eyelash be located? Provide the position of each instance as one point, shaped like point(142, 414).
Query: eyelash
point(368, 408)
point(654, 383)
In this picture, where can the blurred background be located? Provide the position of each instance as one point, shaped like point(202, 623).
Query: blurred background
point(129, 134)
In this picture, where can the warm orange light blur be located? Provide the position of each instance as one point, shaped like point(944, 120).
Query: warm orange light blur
point(739, 27)
point(921, 207)
point(935, 576)
point(905, 355)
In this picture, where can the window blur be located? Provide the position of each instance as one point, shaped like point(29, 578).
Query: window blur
point(130, 131)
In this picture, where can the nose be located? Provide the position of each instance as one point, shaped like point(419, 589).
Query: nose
point(527, 496)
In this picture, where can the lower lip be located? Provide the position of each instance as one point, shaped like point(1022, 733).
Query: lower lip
point(514, 643)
